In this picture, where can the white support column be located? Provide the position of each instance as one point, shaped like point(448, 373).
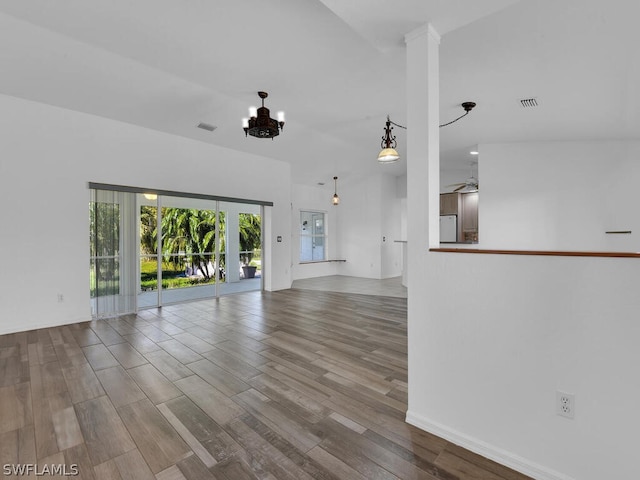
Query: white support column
point(423, 179)
point(423, 137)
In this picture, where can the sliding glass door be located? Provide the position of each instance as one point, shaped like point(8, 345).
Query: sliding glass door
point(178, 260)
point(150, 250)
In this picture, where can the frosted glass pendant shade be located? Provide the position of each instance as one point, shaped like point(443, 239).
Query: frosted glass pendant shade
point(388, 155)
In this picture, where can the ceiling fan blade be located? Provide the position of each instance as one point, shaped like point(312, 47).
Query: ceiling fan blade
point(460, 187)
point(456, 184)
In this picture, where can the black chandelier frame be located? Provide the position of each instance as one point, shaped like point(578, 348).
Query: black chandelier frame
point(262, 125)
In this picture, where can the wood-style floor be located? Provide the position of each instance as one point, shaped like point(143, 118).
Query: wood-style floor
point(287, 385)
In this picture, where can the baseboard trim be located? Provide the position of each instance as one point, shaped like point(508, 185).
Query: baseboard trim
point(491, 452)
point(40, 326)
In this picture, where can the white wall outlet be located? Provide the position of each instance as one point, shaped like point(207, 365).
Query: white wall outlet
point(60, 298)
point(565, 404)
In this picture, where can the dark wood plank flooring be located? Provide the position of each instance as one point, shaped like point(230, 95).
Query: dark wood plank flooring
point(288, 385)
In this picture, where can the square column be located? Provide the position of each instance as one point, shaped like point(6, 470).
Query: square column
point(423, 188)
point(423, 139)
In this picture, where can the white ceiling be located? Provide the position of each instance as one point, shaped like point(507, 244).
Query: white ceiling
point(335, 67)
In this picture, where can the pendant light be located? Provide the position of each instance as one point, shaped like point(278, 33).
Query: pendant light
point(335, 200)
point(388, 154)
point(388, 144)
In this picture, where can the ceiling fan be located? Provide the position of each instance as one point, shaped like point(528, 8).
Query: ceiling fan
point(469, 185)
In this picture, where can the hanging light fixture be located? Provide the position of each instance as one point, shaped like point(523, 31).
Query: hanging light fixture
point(389, 154)
point(335, 200)
point(388, 144)
point(260, 124)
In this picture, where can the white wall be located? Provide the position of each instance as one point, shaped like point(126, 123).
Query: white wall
point(499, 334)
point(370, 220)
point(361, 230)
point(494, 337)
point(391, 213)
point(48, 156)
point(559, 196)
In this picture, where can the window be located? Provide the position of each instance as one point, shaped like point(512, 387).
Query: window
point(313, 237)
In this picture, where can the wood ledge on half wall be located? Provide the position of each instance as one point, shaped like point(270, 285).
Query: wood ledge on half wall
point(552, 253)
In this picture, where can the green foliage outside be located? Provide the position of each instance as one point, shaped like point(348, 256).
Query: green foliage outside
point(250, 231)
point(104, 241)
point(102, 287)
point(170, 278)
point(189, 241)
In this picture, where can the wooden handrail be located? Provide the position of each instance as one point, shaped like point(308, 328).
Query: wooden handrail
point(552, 253)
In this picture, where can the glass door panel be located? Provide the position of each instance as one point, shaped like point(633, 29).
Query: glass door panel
point(241, 247)
point(202, 249)
point(189, 269)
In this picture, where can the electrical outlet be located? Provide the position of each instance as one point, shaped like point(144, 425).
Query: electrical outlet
point(565, 404)
point(60, 298)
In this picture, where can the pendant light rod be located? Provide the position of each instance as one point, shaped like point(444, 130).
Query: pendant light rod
point(394, 123)
point(468, 106)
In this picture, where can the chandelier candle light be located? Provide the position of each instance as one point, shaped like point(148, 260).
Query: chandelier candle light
point(260, 124)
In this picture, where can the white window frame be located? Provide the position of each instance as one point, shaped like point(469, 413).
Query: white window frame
point(308, 239)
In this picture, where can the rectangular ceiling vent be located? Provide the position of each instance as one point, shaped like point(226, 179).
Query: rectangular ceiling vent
point(206, 126)
point(529, 102)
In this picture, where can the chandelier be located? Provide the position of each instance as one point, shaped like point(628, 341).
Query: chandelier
point(260, 124)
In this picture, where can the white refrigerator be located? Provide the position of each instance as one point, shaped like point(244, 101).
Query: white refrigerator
point(448, 228)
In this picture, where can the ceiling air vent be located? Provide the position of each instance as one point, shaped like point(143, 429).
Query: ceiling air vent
point(529, 102)
point(206, 126)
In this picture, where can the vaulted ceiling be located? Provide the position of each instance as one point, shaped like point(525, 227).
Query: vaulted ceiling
point(336, 67)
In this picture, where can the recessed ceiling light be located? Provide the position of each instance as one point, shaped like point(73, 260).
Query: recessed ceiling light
point(473, 152)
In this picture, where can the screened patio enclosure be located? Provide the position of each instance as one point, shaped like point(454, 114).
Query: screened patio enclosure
point(150, 249)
